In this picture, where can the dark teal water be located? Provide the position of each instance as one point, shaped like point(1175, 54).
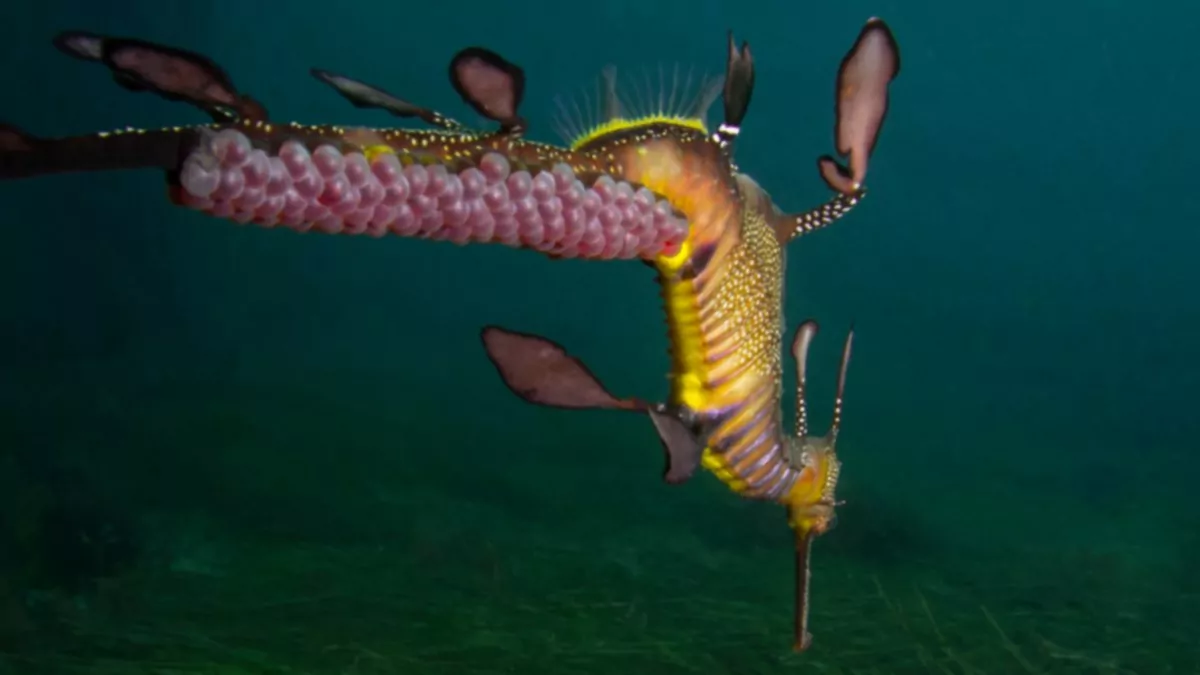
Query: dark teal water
point(1022, 279)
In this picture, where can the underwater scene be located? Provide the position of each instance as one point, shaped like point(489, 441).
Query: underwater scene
point(666, 338)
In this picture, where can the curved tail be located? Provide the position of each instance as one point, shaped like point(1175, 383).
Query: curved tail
point(23, 155)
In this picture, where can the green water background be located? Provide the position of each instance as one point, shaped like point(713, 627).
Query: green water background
point(1020, 426)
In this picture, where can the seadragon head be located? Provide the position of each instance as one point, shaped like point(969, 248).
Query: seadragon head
point(677, 102)
point(815, 513)
point(812, 510)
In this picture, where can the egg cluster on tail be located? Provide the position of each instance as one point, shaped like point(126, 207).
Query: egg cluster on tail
point(350, 192)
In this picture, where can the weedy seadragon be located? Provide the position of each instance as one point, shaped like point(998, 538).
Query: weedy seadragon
point(660, 187)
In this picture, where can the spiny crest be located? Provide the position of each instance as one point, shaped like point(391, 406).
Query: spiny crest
point(666, 96)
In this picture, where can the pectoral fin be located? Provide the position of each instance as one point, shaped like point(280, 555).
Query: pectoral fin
point(680, 445)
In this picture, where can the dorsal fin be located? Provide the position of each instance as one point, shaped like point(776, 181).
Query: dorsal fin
point(675, 103)
point(710, 89)
point(610, 100)
point(363, 95)
point(634, 100)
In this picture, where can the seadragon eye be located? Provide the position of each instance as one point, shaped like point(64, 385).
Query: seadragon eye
point(828, 522)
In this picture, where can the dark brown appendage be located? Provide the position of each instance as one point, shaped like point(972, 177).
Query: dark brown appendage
point(681, 448)
point(173, 73)
point(366, 96)
point(81, 45)
point(836, 176)
point(491, 85)
point(13, 139)
point(739, 83)
point(23, 155)
point(862, 94)
point(543, 373)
